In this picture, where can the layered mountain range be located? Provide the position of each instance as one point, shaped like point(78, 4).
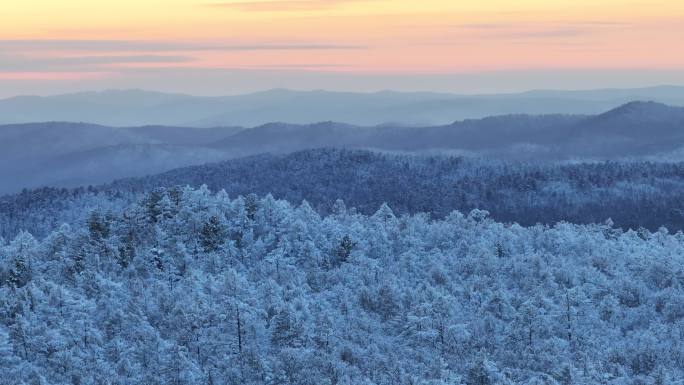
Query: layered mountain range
point(139, 108)
point(74, 154)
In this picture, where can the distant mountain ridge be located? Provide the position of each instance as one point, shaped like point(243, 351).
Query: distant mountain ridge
point(74, 154)
point(138, 107)
point(629, 127)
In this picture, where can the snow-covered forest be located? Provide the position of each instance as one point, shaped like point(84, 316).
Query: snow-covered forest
point(189, 286)
point(631, 194)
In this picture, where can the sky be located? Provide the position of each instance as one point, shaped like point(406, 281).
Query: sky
point(225, 47)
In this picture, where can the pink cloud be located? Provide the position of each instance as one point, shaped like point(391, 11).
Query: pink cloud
point(22, 76)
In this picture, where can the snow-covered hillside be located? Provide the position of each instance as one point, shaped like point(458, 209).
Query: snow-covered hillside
point(190, 287)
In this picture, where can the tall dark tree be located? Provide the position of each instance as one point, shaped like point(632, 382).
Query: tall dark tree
point(213, 234)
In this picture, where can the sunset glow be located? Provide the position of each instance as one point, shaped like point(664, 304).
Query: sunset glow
point(361, 37)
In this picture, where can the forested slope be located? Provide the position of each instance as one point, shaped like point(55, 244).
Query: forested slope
point(188, 287)
point(633, 195)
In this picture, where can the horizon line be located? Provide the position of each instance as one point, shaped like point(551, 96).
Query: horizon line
point(340, 91)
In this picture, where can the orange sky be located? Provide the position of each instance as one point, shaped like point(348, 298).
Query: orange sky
point(126, 39)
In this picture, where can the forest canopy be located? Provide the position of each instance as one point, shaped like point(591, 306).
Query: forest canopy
point(186, 286)
point(632, 195)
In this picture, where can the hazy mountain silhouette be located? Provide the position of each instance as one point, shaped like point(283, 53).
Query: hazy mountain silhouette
point(636, 128)
point(70, 154)
point(137, 107)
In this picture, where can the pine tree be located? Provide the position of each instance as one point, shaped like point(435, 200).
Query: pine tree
point(98, 227)
point(281, 329)
point(565, 377)
point(251, 206)
point(339, 208)
point(18, 274)
point(286, 330)
point(20, 267)
point(500, 250)
point(152, 205)
point(157, 258)
point(9, 361)
point(384, 214)
point(344, 250)
point(126, 250)
point(212, 234)
point(478, 374)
